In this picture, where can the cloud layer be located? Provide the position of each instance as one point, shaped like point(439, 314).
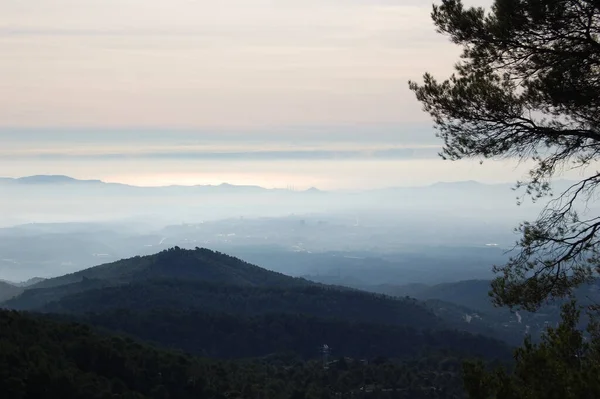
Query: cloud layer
point(231, 63)
point(149, 91)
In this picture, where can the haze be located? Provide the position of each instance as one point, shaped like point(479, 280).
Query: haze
point(303, 93)
point(285, 96)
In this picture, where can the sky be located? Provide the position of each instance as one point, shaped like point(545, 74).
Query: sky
point(153, 92)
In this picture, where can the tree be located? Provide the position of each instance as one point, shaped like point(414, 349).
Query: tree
point(565, 365)
point(528, 87)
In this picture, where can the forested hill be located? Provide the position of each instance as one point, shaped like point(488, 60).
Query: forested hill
point(317, 301)
point(211, 281)
point(222, 335)
point(199, 264)
point(212, 304)
point(43, 359)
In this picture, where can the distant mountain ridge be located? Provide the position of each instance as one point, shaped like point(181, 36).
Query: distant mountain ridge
point(27, 283)
point(67, 180)
point(48, 179)
point(8, 291)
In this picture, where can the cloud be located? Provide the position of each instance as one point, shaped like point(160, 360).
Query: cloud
point(292, 144)
point(259, 155)
point(207, 64)
point(20, 140)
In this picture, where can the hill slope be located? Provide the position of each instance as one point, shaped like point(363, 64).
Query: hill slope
point(175, 263)
point(199, 264)
point(8, 291)
point(221, 335)
point(209, 303)
point(242, 321)
point(325, 302)
point(43, 359)
point(210, 281)
point(468, 301)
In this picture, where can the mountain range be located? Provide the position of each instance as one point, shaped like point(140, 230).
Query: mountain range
point(67, 180)
point(208, 281)
point(62, 180)
point(209, 299)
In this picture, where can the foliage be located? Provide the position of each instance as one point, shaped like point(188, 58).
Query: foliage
point(241, 321)
point(219, 335)
point(250, 301)
point(205, 303)
point(198, 264)
point(174, 263)
point(527, 87)
point(453, 302)
point(565, 365)
point(44, 359)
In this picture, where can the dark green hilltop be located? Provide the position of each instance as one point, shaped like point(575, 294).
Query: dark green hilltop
point(179, 308)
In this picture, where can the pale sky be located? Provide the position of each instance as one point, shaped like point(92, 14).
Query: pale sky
point(215, 64)
point(148, 91)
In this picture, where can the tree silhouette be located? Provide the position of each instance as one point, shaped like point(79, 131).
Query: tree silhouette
point(527, 87)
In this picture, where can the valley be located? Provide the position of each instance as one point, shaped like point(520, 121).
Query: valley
point(386, 291)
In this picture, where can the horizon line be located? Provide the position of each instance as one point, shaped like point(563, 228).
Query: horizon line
point(290, 187)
